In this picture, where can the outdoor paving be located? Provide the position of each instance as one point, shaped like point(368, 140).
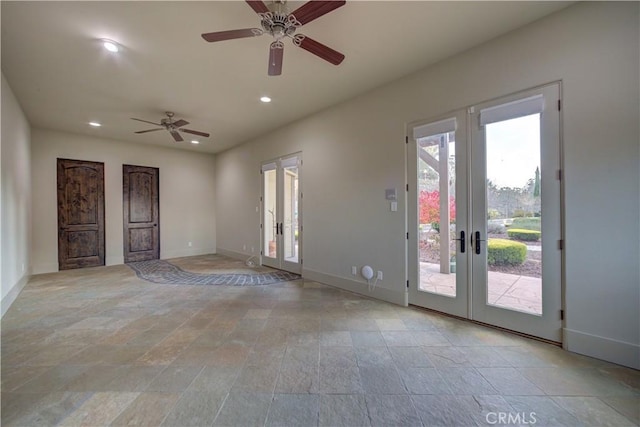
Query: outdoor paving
point(510, 291)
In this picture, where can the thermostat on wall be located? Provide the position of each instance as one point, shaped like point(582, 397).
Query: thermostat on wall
point(390, 194)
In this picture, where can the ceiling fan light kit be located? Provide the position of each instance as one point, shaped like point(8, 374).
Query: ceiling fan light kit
point(279, 23)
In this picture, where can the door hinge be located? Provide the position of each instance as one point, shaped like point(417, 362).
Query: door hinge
point(301, 194)
point(561, 314)
point(260, 171)
point(561, 244)
point(260, 198)
point(260, 226)
point(407, 235)
point(406, 139)
point(300, 261)
point(407, 187)
point(407, 284)
point(260, 252)
point(559, 174)
point(559, 105)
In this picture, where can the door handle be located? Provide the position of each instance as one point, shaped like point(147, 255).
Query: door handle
point(462, 241)
point(155, 225)
point(478, 240)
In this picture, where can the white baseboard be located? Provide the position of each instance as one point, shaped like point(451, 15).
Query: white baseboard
point(235, 254)
point(114, 260)
point(187, 252)
point(11, 296)
point(389, 295)
point(45, 267)
point(620, 352)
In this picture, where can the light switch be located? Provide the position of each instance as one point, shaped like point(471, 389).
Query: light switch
point(394, 206)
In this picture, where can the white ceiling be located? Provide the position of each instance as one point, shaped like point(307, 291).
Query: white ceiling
point(63, 78)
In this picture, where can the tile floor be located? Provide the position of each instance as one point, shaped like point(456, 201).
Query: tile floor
point(101, 347)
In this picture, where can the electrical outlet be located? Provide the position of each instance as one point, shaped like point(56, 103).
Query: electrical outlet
point(354, 270)
point(244, 247)
point(379, 275)
point(189, 244)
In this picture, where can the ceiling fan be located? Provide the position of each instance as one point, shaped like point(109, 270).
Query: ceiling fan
point(279, 23)
point(173, 127)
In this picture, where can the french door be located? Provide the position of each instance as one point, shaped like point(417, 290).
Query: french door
point(486, 213)
point(282, 214)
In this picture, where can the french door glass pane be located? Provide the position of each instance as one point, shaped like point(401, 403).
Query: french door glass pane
point(437, 214)
point(514, 214)
point(270, 213)
point(291, 214)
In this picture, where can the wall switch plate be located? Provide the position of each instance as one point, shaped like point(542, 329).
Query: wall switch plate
point(354, 270)
point(379, 275)
point(189, 244)
point(394, 206)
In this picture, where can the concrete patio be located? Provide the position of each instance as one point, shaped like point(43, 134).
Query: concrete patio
point(520, 293)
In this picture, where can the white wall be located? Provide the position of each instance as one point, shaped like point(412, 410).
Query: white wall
point(15, 198)
point(355, 150)
point(187, 195)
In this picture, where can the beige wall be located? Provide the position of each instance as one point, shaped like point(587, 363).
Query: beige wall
point(354, 151)
point(187, 195)
point(15, 198)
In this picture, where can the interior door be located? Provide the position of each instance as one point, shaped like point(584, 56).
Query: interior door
point(499, 262)
point(438, 213)
point(141, 213)
point(80, 214)
point(282, 213)
point(516, 213)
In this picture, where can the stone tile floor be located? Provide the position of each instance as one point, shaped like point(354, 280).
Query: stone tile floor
point(101, 347)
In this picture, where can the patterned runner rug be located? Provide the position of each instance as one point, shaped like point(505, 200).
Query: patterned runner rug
point(159, 271)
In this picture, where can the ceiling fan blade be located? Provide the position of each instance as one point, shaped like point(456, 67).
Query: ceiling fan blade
point(195, 132)
point(315, 9)
point(276, 52)
point(176, 136)
point(146, 121)
point(258, 6)
point(149, 130)
point(180, 123)
point(320, 50)
point(232, 34)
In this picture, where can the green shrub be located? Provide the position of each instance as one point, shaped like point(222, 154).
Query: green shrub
point(506, 252)
point(526, 235)
point(526, 223)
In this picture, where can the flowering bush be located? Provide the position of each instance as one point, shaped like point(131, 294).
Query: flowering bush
point(429, 203)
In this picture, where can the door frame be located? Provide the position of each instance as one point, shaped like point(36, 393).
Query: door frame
point(280, 262)
point(155, 252)
point(496, 316)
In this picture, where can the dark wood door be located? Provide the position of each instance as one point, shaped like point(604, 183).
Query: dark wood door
point(141, 213)
point(80, 214)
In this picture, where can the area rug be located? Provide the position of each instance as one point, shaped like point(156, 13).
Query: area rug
point(159, 271)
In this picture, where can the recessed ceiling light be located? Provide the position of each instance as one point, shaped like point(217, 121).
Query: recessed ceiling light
point(195, 142)
point(265, 99)
point(95, 124)
point(110, 45)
